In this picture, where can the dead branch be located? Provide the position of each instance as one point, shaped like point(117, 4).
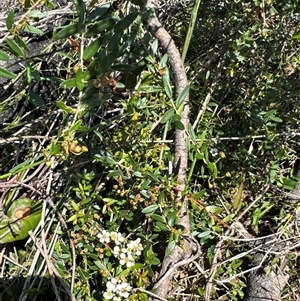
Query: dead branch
point(180, 256)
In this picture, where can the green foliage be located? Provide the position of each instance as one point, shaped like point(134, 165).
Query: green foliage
point(104, 140)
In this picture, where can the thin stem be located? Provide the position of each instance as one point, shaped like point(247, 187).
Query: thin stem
point(190, 29)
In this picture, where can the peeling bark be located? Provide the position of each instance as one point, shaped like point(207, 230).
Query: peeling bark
point(264, 285)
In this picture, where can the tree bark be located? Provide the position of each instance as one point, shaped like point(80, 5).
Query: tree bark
point(263, 284)
point(189, 249)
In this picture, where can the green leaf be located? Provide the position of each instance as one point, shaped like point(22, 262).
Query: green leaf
point(160, 227)
point(154, 46)
point(97, 13)
point(170, 247)
point(296, 35)
point(163, 61)
point(172, 217)
point(92, 49)
point(80, 79)
point(167, 116)
point(100, 26)
point(214, 209)
point(158, 218)
point(182, 96)
point(75, 206)
point(108, 61)
point(91, 69)
point(27, 164)
point(10, 19)
point(126, 214)
point(69, 83)
point(49, 4)
point(228, 218)
point(204, 234)
point(145, 184)
point(37, 14)
point(21, 42)
point(15, 48)
point(66, 31)
point(6, 73)
point(275, 118)
point(4, 56)
point(23, 215)
point(32, 29)
point(76, 126)
point(100, 265)
point(150, 209)
point(107, 160)
point(289, 184)
point(115, 41)
point(255, 216)
point(179, 125)
point(192, 132)
point(126, 22)
point(36, 100)
point(273, 171)
point(64, 107)
point(238, 197)
point(167, 86)
point(80, 5)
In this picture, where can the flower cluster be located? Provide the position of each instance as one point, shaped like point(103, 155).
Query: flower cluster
point(127, 254)
point(126, 251)
point(116, 290)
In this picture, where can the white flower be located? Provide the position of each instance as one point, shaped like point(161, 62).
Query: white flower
point(214, 151)
point(117, 299)
point(123, 289)
point(108, 295)
point(126, 259)
point(117, 237)
point(135, 246)
point(111, 285)
point(104, 236)
point(117, 251)
point(127, 250)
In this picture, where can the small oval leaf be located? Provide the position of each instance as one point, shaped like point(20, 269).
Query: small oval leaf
point(150, 209)
point(10, 19)
point(100, 26)
point(6, 73)
point(32, 29)
point(80, 79)
point(168, 115)
point(15, 48)
point(69, 83)
point(179, 125)
point(182, 96)
point(4, 56)
point(66, 31)
point(167, 86)
point(92, 49)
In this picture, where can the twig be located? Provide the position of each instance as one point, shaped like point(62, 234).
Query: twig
point(209, 94)
point(291, 134)
point(19, 138)
point(52, 270)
